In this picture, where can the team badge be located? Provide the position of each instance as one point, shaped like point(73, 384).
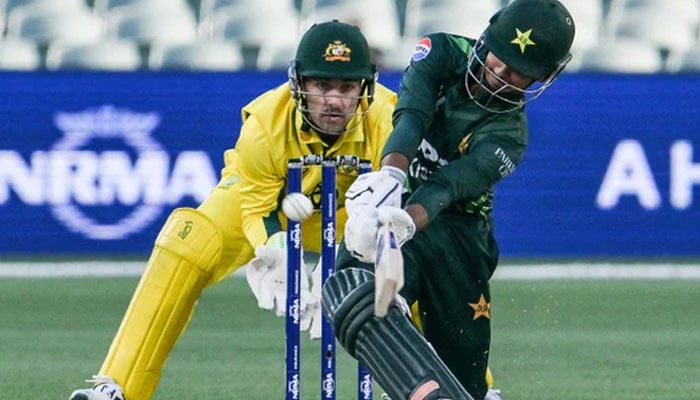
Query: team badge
point(522, 39)
point(422, 49)
point(482, 308)
point(337, 51)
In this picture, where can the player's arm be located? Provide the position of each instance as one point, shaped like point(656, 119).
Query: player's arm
point(262, 181)
point(435, 64)
point(468, 177)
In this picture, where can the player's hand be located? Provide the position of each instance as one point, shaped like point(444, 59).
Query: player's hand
point(267, 276)
point(376, 189)
point(363, 225)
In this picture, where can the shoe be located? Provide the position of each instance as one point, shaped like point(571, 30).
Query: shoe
point(105, 388)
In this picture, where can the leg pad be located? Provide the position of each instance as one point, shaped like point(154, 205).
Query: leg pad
point(399, 358)
point(348, 299)
point(186, 253)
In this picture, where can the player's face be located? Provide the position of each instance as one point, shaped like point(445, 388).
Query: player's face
point(496, 87)
point(331, 103)
point(497, 75)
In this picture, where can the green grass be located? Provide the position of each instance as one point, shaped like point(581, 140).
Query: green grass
point(596, 339)
point(551, 340)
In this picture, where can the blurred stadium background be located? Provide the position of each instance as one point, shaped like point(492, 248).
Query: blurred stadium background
point(612, 35)
point(115, 111)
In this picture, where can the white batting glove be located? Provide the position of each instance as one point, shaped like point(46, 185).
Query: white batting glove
point(362, 226)
point(267, 276)
point(376, 189)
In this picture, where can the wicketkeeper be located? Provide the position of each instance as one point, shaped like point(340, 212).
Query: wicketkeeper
point(331, 105)
point(459, 128)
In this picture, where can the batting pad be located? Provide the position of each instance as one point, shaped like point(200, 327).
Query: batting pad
point(185, 255)
point(399, 358)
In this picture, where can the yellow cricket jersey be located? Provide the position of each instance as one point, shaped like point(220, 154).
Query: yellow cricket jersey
point(271, 135)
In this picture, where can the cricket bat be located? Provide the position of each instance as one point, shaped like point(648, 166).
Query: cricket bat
point(388, 270)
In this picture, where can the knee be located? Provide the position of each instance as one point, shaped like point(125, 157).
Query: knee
point(348, 302)
point(192, 237)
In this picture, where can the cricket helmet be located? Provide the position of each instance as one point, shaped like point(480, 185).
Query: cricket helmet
point(332, 50)
point(533, 37)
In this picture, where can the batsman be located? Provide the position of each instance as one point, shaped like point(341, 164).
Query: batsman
point(459, 128)
point(331, 105)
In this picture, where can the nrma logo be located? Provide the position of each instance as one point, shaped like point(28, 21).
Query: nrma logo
point(105, 163)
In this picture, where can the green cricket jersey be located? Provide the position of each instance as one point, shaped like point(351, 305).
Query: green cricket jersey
point(458, 150)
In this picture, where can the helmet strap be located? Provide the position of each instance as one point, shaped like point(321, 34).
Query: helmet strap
point(294, 80)
point(369, 84)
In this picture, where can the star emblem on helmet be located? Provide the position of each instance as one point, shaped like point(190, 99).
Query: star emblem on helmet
point(522, 39)
point(337, 51)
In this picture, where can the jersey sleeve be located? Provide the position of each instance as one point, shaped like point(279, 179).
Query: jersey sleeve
point(435, 64)
point(262, 181)
point(469, 176)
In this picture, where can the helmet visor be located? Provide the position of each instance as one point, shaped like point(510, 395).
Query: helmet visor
point(496, 94)
point(333, 107)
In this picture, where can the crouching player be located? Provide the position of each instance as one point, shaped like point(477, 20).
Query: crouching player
point(331, 106)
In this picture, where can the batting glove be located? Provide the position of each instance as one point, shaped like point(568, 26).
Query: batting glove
point(362, 226)
point(376, 189)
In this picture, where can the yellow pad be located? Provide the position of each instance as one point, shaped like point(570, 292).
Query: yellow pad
point(186, 252)
point(415, 316)
point(489, 378)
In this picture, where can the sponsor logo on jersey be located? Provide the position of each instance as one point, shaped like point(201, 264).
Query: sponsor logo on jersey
point(422, 49)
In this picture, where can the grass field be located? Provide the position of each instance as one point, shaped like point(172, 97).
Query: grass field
point(553, 339)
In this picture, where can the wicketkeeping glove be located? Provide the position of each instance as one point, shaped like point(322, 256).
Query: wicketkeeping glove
point(311, 317)
point(376, 189)
point(267, 277)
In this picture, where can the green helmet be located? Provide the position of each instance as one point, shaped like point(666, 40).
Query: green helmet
point(532, 36)
point(334, 50)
